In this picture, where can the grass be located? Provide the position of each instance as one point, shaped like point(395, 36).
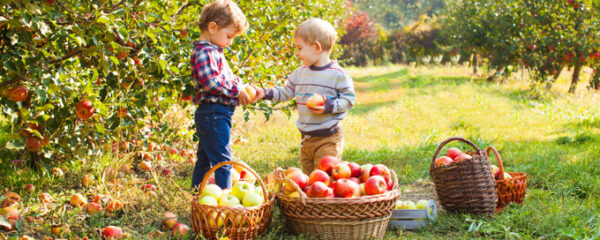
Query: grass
point(401, 115)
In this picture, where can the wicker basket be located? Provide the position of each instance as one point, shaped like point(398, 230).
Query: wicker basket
point(364, 217)
point(467, 186)
point(233, 222)
point(509, 190)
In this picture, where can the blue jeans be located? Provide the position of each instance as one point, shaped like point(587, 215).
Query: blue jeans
point(213, 128)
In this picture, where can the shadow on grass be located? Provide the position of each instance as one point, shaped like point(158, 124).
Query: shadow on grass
point(376, 78)
point(362, 109)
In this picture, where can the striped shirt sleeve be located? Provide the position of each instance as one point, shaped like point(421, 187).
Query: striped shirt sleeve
point(345, 96)
point(283, 93)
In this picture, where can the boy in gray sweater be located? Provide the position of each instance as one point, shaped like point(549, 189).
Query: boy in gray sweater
point(320, 126)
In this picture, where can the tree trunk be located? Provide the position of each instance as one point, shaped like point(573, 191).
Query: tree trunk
point(474, 63)
point(554, 78)
point(575, 78)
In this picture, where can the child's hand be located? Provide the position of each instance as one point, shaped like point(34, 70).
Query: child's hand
point(260, 93)
point(317, 109)
point(243, 97)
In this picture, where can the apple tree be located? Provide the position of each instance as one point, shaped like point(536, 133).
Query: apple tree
point(81, 78)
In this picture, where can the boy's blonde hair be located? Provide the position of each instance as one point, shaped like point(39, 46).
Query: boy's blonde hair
point(224, 13)
point(317, 30)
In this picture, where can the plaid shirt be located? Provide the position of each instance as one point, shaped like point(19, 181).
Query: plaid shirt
point(213, 78)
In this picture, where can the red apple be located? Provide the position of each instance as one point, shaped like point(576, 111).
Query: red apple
point(84, 109)
point(375, 185)
point(354, 169)
point(145, 165)
point(150, 187)
point(29, 188)
point(330, 193)
point(78, 200)
point(318, 189)
point(345, 188)
point(495, 171)
point(380, 170)
point(114, 205)
point(46, 198)
point(326, 163)
point(112, 232)
point(356, 180)
point(33, 144)
point(318, 176)
point(315, 100)
point(173, 151)
point(180, 230)
point(290, 170)
point(443, 161)
point(167, 172)
point(101, 198)
point(251, 91)
point(453, 152)
point(341, 170)
point(18, 94)
point(365, 172)
point(169, 220)
point(462, 157)
point(121, 112)
point(92, 208)
point(299, 178)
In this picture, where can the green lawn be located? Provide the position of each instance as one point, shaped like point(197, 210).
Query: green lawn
point(401, 115)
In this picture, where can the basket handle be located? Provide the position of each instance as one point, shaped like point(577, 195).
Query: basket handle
point(439, 148)
point(500, 164)
point(241, 164)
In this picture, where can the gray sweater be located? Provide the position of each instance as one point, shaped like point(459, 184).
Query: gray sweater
point(332, 82)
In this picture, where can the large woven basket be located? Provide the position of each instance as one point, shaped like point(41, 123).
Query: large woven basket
point(213, 222)
point(364, 217)
point(467, 186)
point(509, 190)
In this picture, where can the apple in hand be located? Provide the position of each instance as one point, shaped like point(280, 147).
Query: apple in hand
point(354, 169)
point(318, 176)
point(112, 232)
point(375, 185)
point(340, 171)
point(240, 189)
point(345, 188)
point(316, 100)
point(251, 91)
point(443, 161)
point(326, 163)
point(453, 152)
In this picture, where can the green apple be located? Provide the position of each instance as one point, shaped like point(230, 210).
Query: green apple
point(252, 199)
point(399, 205)
point(258, 190)
point(410, 205)
point(240, 189)
point(229, 201)
point(362, 189)
point(208, 200)
point(212, 190)
point(422, 204)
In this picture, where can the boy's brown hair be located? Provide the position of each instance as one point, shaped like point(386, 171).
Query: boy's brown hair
point(317, 30)
point(224, 13)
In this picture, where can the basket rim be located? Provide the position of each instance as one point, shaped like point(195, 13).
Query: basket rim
point(384, 196)
point(271, 199)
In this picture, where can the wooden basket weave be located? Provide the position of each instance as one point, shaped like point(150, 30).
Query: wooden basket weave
point(364, 217)
point(509, 190)
point(466, 186)
point(233, 222)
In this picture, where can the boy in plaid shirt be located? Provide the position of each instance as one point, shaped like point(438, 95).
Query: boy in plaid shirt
point(218, 90)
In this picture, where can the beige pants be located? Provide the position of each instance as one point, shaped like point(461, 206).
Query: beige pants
point(312, 149)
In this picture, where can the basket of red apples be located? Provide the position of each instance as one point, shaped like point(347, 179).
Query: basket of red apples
point(464, 182)
point(339, 200)
point(241, 212)
point(511, 186)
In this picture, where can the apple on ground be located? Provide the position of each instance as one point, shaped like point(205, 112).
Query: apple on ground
point(365, 172)
point(422, 204)
point(326, 163)
point(29, 188)
point(229, 201)
point(114, 205)
point(345, 188)
point(319, 176)
point(77, 200)
point(212, 190)
point(354, 169)
point(169, 220)
point(92, 208)
point(57, 172)
point(375, 185)
point(149, 187)
point(87, 180)
point(101, 198)
point(145, 165)
point(443, 161)
point(341, 170)
point(180, 230)
point(112, 232)
point(452, 153)
point(240, 189)
point(252, 199)
point(46, 198)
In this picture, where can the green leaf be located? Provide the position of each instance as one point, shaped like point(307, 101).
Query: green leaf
point(103, 19)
